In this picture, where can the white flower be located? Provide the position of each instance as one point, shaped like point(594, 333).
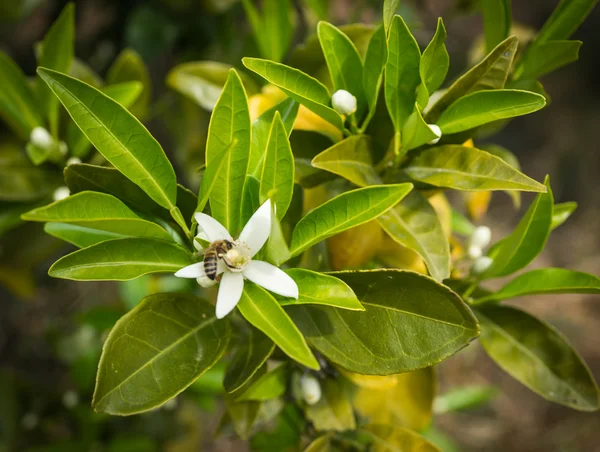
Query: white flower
point(73, 161)
point(343, 102)
point(474, 252)
point(61, 193)
point(237, 264)
point(481, 264)
point(311, 389)
point(41, 138)
point(437, 131)
point(481, 237)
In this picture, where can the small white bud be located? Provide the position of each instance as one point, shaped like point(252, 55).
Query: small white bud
point(63, 148)
point(311, 389)
point(474, 252)
point(61, 193)
point(170, 405)
point(41, 138)
point(30, 421)
point(343, 102)
point(205, 281)
point(481, 237)
point(481, 264)
point(73, 161)
point(437, 131)
point(70, 399)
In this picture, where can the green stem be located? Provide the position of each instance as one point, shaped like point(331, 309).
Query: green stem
point(178, 217)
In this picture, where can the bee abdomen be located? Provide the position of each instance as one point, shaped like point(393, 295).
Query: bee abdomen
point(210, 265)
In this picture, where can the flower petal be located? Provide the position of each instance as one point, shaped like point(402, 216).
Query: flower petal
point(192, 271)
point(257, 230)
point(230, 292)
point(271, 278)
point(211, 227)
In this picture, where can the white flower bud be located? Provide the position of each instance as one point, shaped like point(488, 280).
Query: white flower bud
point(63, 148)
point(481, 264)
point(474, 252)
point(70, 399)
point(170, 405)
point(437, 131)
point(343, 102)
point(30, 421)
point(205, 281)
point(60, 193)
point(481, 237)
point(41, 138)
point(311, 389)
point(73, 161)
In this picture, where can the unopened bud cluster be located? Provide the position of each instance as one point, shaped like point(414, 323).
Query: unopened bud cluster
point(479, 240)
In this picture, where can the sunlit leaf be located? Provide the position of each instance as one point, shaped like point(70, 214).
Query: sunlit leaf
point(80, 236)
point(268, 386)
point(435, 60)
point(561, 213)
point(497, 20)
point(389, 10)
point(547, 57)
point(129, 67)
point(565, 19)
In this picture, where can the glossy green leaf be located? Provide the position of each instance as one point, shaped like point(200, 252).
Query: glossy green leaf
point(387, 438)
point(344, 63)
point(305, 89)
point(117, 135)
point(345, 211)
point(416, 132)
point(121, 260)
point(410, 322)
point(565, 20)
point(18, 106)
point(229, 127)
point(211, 175)
point(98, 211)
point(273, 29)
point(511, 159)
point(322, 289)
point(249, 354)
point(547, 57)
point(333, 411)
point(350, 159)
point(277, 175)
point(277, 250)
point(268, 386)
point(497, 20)
point(561, 213)
point(466, 168)
point(402, 74)
point(264, 312)
point(527, 240)
point(375, 60)
point(547, 281)
point(57, 51)
point(389, 10)
point(491, 73)
point(413, 223)
point(435, 60)
point(80, 236)
point(157, 350)
point(482, 107)
point(538, 356)
point(250, 201)
point(129, 67)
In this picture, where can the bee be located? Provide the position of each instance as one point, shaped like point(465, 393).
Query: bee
point(217, 250)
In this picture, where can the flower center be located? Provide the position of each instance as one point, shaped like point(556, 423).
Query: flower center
point(237, 257)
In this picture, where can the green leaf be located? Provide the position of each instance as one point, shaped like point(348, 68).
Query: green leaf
point(264, 312)
point(243, 415)
point(250, 353)
point(401, 306)
point(229, 127)
point(565, 20)
point(333, 411)
point(547, 57)
point(375, 60)
point(211, 175)
point(98, 211)
point(416, 132)
point(268, 386)
point(277, 176)
point(350, 159)
point(117, 135)
point(273, 30)
point(345, 211)
point(402, 74)
point(157, 350)
point(203, 81)
point(435, 60)
point(464, 398)
point(18, 106)
point(466, 168)
point(528, 238)
point(321, 289)
point(482, 107)
point(561, 213)
point(389, 10)
point(413, 223)
point(80, 236)
point(460, 224)
point(129, 67)
point(57, 51)
point(547, 281)
point(121, 260)
point(305, 89)
point(497, 19)
point(387, 438)
point(538, 356)
point(491, 73)
point(277, 250)
point(344, 63)
point(511, 159)
point(250, 202)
